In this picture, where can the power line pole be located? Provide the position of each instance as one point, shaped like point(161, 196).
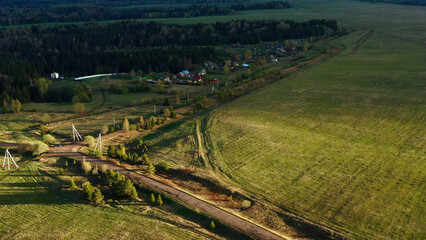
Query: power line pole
point(75, 135)
point(98, 143)
point(7, 158)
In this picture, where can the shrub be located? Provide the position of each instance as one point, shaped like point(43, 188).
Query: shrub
point(104, 129)
point(245, 204)
point(39, 148)
point(49, 139)
point(104, 168)
point(97, 153)
point(89, 140)
point(45, 118)
point(79, 108)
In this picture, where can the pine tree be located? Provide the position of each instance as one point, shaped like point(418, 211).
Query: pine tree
point(152, 198)
point(74, 162)
point(88, 191)
point(159, 200)
point(150, 169)
point(66, 163)
point(212, 225)
point(126, 125)
point(72, 183)
point(134, 193)
point(97, 197)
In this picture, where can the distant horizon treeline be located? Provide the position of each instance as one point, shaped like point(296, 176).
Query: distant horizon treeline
point(403, 2)
point(86, 12)
point(74, 50)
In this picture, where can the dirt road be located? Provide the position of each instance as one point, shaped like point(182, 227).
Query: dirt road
point(245, 226)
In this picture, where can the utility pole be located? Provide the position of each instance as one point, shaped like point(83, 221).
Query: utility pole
point(75, 135)
point(7, 158)
point(98, 143)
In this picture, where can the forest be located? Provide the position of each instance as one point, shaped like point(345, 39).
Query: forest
point(403, 2)
point(23, 14)
point(26, 54)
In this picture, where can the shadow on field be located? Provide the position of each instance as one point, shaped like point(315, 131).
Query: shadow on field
point(34, 197)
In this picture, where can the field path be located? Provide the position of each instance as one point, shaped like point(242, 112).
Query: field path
point(241, 224)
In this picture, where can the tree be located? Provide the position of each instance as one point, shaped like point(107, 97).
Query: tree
point(79, 108)
point(111, 151)
point(88, 191)
point(45, 118)
point(306, 46)
point(167, 113)
point(97, 197)
point(104, 129)
point(87, 167)
point(141, 121)
point(159, 200)
point(72, 183)
point(145, 159)
point(126, 125)
point(89, 140)
point(39, 148)
point(212, 225)
point(66, 163)
point(16, 106)
point(150, 169)
point(48, 139)
point(227, 66)
point(134, 193)
point(42, 85)
point(152, 198)
point(159, 86)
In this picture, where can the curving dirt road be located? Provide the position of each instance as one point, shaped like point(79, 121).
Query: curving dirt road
point(242, 225)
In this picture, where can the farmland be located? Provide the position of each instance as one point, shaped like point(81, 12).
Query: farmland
point(341, 143)
point(36, 203)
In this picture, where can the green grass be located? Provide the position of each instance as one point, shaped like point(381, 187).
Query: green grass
point(340, 143)
point(35, 205)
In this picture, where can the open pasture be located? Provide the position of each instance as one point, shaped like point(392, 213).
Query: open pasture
point(340, 143)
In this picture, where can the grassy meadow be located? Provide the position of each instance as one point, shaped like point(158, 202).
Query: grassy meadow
point(340, 143)
point(36, 203)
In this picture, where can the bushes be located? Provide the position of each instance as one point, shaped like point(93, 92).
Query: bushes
point(39, 148)
point(89, 140)
point(48, 139)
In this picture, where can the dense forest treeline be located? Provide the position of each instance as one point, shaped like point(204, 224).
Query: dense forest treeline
point(113, 3)
point(91, 12)
point(75, 50)
point(403, 2)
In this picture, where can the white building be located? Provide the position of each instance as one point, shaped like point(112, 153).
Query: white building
point(54, 75)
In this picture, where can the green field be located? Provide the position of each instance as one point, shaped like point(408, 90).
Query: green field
point(340, 143)
point(36, 203)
